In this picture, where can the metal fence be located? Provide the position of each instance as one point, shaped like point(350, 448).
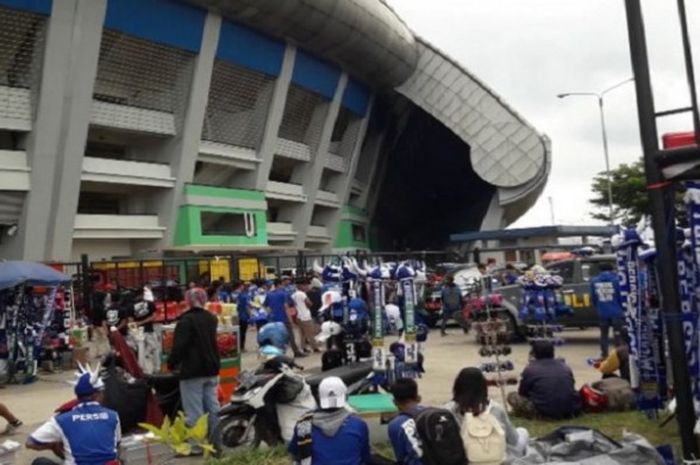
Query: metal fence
point(170, 277)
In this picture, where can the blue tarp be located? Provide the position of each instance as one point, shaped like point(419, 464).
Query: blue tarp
point(13, 273)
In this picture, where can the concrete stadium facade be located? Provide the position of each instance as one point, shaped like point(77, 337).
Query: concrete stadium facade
point(141, 127)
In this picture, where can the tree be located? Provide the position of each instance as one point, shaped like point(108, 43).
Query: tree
point(629, 195)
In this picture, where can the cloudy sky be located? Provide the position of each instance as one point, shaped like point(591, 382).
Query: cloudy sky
point(531, 50)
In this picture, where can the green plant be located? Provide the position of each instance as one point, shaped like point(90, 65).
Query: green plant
point(179, 437)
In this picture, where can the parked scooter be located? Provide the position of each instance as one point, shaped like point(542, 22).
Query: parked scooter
point(265, 407)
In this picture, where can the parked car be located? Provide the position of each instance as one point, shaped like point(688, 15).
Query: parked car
point(577, 274)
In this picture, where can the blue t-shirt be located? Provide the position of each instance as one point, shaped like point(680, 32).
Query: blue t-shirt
point(349, 446)
point(404, 439)
point(276, 301)
point(242, 307)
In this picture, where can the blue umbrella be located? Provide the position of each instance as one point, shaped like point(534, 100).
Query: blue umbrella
point(13, 273)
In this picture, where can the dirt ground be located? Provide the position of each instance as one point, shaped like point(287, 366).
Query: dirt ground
point(444, 357)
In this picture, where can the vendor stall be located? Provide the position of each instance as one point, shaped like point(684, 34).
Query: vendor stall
point(31, 296)
point(228, 337)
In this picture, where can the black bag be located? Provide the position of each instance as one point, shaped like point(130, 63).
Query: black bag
point(441, 437)
point(332, 358)
point(127, 399)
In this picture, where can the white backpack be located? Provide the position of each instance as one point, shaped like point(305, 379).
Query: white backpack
point(484, 439)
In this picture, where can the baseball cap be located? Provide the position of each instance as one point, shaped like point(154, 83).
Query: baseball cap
point(332, 393)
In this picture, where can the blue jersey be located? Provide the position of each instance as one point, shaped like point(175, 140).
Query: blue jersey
point(348, 446)
point(605, 293)
point(276, 301)
point(90, 434)
point(405, 441)
point(242, 307)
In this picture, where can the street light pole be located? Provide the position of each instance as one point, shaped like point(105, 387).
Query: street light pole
point(601, 104)
point(608, 174)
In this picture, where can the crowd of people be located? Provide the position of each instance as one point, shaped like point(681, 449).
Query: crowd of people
point(330, 434)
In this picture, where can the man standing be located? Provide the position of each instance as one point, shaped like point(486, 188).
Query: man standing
point(277, 302)
point(402, 429)
point(143, 314)
point(547, 387)
point(195, 355)
point(452, 303)
point(87, 434)
point(605, 293)
point(307, 326)
point(243, 307)
point(331, 435)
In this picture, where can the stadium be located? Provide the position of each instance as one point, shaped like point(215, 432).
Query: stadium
point(136, 127)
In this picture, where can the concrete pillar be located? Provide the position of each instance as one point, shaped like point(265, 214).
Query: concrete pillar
point(314, 170)
point(56, 144)
point(347, 180)
point(375, 149)
point(258, 179)
point(85, 49)
point(183, 149)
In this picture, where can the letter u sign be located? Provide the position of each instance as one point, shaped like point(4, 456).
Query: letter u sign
point(249, 219)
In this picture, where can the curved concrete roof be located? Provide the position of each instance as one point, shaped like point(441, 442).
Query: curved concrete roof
point(365, 37)
point(505, 150)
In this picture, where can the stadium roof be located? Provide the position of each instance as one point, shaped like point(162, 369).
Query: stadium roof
point(539, 231)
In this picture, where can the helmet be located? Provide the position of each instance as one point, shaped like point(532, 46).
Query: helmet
point(593, 400)
point(328, 330)
point(274, 334)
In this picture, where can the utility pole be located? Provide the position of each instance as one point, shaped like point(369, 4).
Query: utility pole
point(551, 210)
point(661, 197)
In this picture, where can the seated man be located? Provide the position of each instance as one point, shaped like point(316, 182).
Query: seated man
point(402, 429)
point(618, 361)
point(547, 387)
point(88, 434)
point(331, 435)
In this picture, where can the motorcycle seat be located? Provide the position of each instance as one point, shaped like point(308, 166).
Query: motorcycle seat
point(348, 373)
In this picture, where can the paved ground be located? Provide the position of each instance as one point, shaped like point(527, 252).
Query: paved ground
point(444, 357)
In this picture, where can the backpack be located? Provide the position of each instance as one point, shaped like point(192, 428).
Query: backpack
point(439, 433)
point(332, 358)
point(618, 392)
point(484, 439)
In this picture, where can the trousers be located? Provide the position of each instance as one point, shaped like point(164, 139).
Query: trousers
point(199, 397)
point(605, 325)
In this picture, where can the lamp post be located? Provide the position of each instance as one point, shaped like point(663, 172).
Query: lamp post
point(600, 96)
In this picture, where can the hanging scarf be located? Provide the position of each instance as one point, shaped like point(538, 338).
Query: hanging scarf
point(629, 292)
point(692, 258)
point(650, 291)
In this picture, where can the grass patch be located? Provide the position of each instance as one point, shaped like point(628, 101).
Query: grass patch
point(611, 424)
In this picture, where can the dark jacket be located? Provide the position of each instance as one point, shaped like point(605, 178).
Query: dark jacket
point(550, 386)
point(195, 353)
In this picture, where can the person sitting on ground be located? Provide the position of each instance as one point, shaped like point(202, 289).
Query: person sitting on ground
point(470, 395)
point(331, 435)
point(87, 434)
point(547, 387)
point(619, 358)
point(12, 421)
point(402, 429)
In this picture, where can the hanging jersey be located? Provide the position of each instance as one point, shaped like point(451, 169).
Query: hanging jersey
point(90, 434)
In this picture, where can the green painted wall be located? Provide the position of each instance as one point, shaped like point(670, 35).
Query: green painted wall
point(222, 192)
point(189, 224)
point(344, 239)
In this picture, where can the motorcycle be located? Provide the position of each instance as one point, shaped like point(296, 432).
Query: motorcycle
point(270, 400)
point(265, 407)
